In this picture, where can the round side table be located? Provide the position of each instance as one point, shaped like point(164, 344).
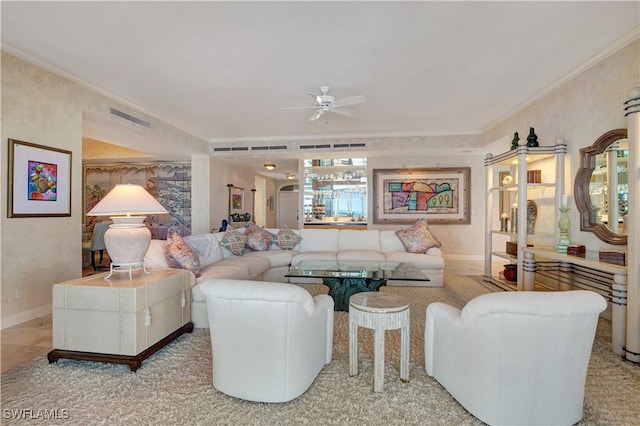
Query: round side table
point(380, 312)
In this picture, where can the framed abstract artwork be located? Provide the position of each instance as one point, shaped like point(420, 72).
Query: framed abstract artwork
point(236, 200)
point(39, 180)
point(441, 195)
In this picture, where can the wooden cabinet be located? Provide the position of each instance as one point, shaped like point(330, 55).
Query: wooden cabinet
point(527, 185)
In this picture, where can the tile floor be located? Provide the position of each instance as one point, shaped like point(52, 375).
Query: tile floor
point(33, 338)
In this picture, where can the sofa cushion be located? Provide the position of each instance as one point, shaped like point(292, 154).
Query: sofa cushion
point(234, 241)
point(224, 271)
point(217, 271)
point(180, 255)
point(351, 239)
point(418, 238)
point(313, 255)
point(389, 241)
point(155, 257)
point(287, 239)
point(319, 240)
point(257, 238)
point(206, 247)
point(276, 258)
point(256, 265)
point(419, 260)
point(372, 255)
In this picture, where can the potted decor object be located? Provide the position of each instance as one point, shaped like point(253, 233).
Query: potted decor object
point(510, 272)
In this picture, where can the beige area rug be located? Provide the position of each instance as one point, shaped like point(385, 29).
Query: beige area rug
point(173, 387)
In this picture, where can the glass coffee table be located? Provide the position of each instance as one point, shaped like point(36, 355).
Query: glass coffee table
point(346, 278)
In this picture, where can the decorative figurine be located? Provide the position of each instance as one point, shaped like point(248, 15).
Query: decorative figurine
point(563, 225)
point(532, 139)
point(504, 222)
point(515, 141)
point(532, 214)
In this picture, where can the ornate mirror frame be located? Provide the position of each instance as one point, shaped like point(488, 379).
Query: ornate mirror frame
point(581, 194)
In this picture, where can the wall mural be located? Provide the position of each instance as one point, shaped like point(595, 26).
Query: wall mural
point(169, 183)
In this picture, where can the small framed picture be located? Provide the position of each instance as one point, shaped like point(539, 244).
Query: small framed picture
point(39, 180)
point(236, 200)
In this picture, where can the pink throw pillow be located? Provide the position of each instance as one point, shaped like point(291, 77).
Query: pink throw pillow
point(418, 238)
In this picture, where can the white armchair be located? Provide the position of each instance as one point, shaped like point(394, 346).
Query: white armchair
point(515, 358)
point(269, 340)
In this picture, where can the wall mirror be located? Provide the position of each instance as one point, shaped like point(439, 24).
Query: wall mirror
point(601, 190)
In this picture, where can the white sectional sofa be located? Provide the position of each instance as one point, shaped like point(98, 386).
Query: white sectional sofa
point(271, 265)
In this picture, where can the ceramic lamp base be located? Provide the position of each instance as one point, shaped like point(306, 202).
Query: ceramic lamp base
point(127, 240)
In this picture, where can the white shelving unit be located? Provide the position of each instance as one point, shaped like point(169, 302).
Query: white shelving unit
point(517, 162)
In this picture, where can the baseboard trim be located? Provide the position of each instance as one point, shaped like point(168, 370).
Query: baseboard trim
point(22, 317)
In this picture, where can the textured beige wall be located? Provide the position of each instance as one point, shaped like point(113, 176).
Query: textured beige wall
point(458, 241)
point(579, 112)
point(43, 108)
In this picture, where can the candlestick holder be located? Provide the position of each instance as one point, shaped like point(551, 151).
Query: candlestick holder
point(563, 225)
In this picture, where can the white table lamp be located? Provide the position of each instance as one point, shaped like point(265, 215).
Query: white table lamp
point(127, 239)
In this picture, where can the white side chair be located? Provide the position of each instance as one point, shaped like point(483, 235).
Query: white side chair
point(97, 242)
point(269, 340)
point(515, 358)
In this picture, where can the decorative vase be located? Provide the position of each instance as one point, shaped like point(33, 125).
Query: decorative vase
point(516, 141)
point(532, 214)
point(532, 139)
point(510, 272)
point(563, 225)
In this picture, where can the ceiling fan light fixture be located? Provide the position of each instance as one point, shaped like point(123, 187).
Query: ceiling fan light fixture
point(269, 166)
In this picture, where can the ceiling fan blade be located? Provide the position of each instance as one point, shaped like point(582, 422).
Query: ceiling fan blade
point(345, 111)
point(315, 97)
point(316, 115)
point(350, 101)
point(301, 107)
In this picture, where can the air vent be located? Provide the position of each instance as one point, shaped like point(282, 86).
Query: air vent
point(128, 117)
point(323, 146)
point(349, 145)
point(269, 148)
point(224, 149)
point(240, 148)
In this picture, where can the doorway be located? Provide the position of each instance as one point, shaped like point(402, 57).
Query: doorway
point(288, 207)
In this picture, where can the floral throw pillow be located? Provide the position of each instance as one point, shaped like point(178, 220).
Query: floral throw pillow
point(234, 241)
point(286, 239)
point(418, 238)
point(257, 238)
point(180, 255)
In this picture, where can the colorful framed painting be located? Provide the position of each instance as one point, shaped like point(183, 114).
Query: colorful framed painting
point(236, 200)
point(39, 180)
point(441, 195)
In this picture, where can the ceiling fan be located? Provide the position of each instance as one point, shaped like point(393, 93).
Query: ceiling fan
point(326, 103)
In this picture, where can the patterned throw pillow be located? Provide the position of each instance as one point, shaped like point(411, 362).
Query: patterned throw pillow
point(418, 238)
point(286, 239)
point(257, 238)
point(234, 241)
point(180, 255)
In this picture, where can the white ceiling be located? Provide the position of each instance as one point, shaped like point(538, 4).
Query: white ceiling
point(225, 70)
